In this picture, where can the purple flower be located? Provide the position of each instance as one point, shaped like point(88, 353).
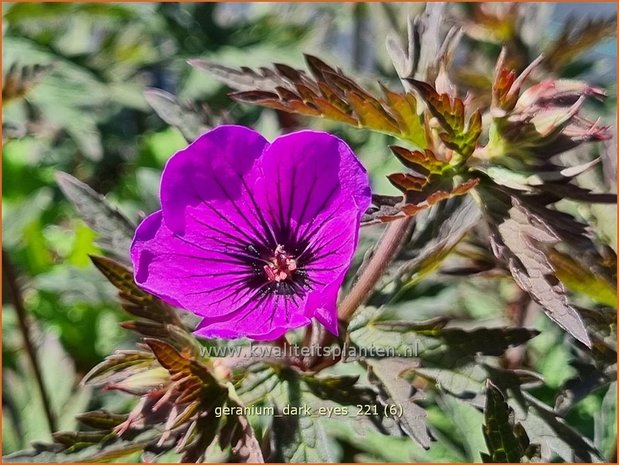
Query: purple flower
point(255, 238)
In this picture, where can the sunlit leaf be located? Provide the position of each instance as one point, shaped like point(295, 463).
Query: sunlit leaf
point(326, 92)
point(519, 238)
point(580, 278)
point(458, 134)
point(117, 366)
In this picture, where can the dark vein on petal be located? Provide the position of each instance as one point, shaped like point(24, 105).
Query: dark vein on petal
point(265, 225)
point(305, 205)
point(327, 199)
point(318, 246)
point(220, 231)
point(243, 233)
point(291, 198)
point(247, 273)
point(242, 260)
point(282, 224)
point(262, 238)
point(218, 288)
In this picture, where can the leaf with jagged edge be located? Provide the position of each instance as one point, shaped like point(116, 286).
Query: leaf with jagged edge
point(446, 228)
point(431, 181)
point(114, 449)
point(193, 379)
point(101, 419)
point(239, 434)
point(447, 357)
point(420, 193)
point(242, 79)
point(431, 340)
point(520, 238)
point(114, 230)
point(405, 111)
point(506, 439)
point(506, 86)
point(458, 134)
point(117, 366)
point(541, 121)
point(155, 315)
point(327, 93)
point(189, 121)
point(155, 318)
point(578, 37)
point(547, 179)
point(393, 390)
point(428, 49)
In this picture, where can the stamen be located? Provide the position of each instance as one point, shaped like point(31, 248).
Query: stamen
point(281, 266)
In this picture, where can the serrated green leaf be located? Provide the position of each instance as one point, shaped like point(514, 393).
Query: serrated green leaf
point(395, 391)
point(56, 453)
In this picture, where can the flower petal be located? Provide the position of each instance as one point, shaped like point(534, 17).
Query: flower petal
point(310, 177)
point(317, 191)
point(323, 305)
point(228, 200)
point(185, 274)
point(264, 318)
point(207, 187)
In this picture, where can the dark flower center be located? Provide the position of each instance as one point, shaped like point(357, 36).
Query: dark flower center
point(281, 266)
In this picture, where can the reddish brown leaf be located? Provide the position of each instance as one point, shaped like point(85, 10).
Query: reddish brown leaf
point(576, 38)
point(327, 93)
point(449, 112)
point(122, 278)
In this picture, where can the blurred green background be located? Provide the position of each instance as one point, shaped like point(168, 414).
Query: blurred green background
point(74, 76)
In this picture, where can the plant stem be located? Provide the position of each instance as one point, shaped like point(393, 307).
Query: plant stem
point(389, 245)
point(22, 317)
